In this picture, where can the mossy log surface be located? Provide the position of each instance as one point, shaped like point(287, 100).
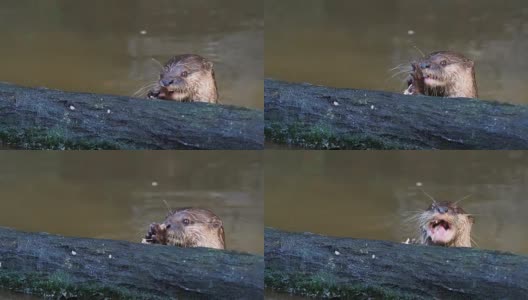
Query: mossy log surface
point(317, 117)
point(38, 118)
point(71, 268)
point(314, 265)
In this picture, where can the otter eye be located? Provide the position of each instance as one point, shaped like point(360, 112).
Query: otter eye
point(168, 226)
point(186, 221)
point(184, 74)
point(443, 63)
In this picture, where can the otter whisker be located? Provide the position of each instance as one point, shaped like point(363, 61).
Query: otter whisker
point(157, 62)
point(398, 73)
point(400, 66)
point(463, 198)
point(418, 49)
point(474, 242)
point(430, 197)
point(167, 205)
point(413, 218)
point(144, 88)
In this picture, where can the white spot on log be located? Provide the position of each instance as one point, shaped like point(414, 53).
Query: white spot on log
point(154, 183)
point(372, 107)
point(110, 256)
point(373, 256)
point(108, 111)
point(72, 107)
point(143, 32)
point(336, 104)
point(0, 264)
point(410, 32)
point(74, 253)
point(418, 184)
point(337, 252)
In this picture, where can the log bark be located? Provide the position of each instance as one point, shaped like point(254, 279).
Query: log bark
point(38, 118)
point(316, 117)
point(57, 266)
point(315, 265)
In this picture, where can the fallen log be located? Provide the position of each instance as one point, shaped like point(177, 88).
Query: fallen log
point(319, 117)
point(38, 118)
point(67, 268)
point(314, 265)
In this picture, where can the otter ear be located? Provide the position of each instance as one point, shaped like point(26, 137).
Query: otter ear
point(469, 64)
point(471, 219)
point(208, 65)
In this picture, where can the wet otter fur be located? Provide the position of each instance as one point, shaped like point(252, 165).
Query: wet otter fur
point(445, 224)
point(186, 78)
point(188, 227)
point(444, 74)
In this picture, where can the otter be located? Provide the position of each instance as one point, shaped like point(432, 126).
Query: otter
point(445, 224)
point(188, 227)
point(444, 74)
point(186, 78)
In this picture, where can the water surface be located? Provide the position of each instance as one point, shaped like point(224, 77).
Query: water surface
point(103, 47)
point(371, 195)
point(116, 195)
point(354, 44)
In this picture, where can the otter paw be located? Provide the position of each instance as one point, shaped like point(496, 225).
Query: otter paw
point(156, 234)
point(150, 237)
point(409, 90)
point(153, 94)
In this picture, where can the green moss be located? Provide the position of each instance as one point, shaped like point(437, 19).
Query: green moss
point(58, 286)
point(323, 137)
point(54, 139)
point(320, 285)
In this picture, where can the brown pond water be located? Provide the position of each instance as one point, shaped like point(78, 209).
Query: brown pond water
point(354, 44)
point(102, 47)
point(370, 195)
point(116, 195)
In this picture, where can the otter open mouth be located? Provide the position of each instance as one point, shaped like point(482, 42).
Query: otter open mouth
point(171, 93)
point(432, 81)
point(440, 231)
point(441, 223)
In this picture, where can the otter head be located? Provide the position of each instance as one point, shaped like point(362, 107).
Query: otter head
point(445, 224)
point(188, 78)
point(194, 227)
point(447, 74)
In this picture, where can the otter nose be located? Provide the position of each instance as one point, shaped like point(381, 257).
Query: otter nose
point(441, 209)
point(167, 81)
point(425, 65)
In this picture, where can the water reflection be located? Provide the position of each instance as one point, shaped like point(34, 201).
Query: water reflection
point(116, 195)
point(104, 47)
point(354, 44)
point(371, 194)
